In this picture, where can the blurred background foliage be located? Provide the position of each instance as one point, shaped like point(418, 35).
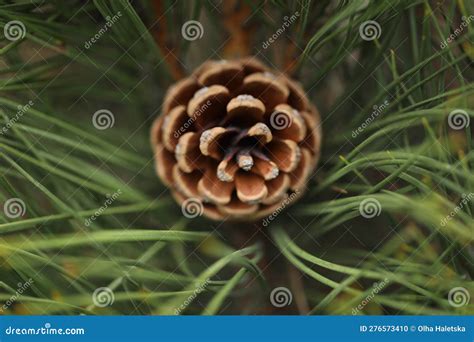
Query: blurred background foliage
point(155, 260)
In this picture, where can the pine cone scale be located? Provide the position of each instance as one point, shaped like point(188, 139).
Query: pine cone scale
point(244, 110)
point(277, 188)
point(250, 187)
point(212, 189)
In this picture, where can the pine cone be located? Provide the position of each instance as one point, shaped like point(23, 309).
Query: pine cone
point(236, 138)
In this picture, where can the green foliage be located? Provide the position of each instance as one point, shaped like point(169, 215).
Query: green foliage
point(405, 156)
